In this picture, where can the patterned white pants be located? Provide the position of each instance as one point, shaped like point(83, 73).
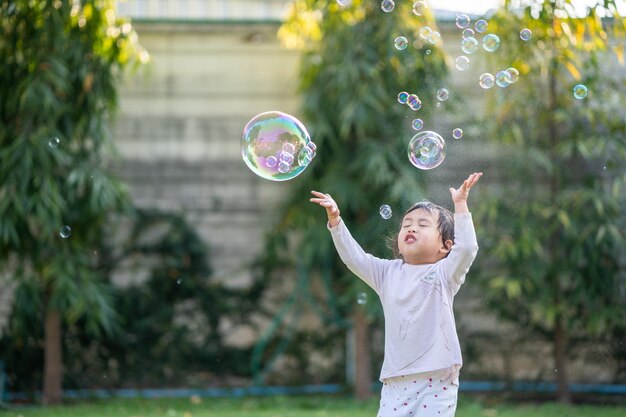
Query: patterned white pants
point(427, 394)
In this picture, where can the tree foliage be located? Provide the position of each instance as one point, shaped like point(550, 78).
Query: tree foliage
point(555, 228)
point(171, 315)
point(61, 61)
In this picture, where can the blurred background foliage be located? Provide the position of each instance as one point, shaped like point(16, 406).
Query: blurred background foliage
point(553, 233)
point(62, 61)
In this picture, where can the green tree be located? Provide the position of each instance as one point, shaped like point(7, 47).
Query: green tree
point(555, 226)
point(350, 77)
point(61, 61)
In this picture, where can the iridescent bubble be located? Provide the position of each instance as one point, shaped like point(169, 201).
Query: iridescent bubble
point(469, 45)
point(385, 212)
point(361, 298)
point(286, 157)
point(270, 143)
point(426, 150)
point(435, 37)
point(271, 161)
point(467, 33)
point(428, 52)
point(54, 142)
point(387, 5)
point(65, 232)
point(289, 147)
point(513, 74)
point(580, 91)
point(503, 78)
point(306, 155)
point(462, 20)
point(525, 34)
point(344, 3)
point(481, 25)
point(403, 97)
point(486, 80)
point(457, 133)
point(491, 42)
point(419, 7)
point(426, 32)
point(443, 94)
point(414, 102)
point(462, 62)
point(417, 124)
point(400, 43)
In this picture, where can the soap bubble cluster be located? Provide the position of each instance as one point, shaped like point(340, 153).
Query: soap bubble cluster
point(276, 146)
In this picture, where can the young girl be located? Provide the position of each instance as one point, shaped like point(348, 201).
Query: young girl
point(420, 371)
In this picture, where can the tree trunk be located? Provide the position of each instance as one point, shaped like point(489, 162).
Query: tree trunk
point(53, 361)
point(560, 330)
point(362, 357)
point(560, 361)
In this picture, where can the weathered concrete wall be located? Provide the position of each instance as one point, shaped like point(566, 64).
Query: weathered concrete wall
point(180, 126)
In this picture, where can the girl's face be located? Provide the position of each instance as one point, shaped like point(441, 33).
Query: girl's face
point(419, 240)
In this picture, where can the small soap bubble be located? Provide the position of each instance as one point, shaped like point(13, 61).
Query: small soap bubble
point(270, 143)
point(426, 32)
point(525, 34)
point(435, 37)
point(361, 298)
point(306, 155)
point(580, 91)
point(428, 51)
point(54, 142)
point(462, 62)
point(491, 42)
point(344, 3)
point(443, 94)
point(403, 97)
point(462, 20)
point(426, 150)
point(469, 45)
point(481, 25)
point(457, 133)
point(467, 33)
point(417, 124)
point(271, 161)
point(179, 281)
point(419, 7)
point(385, 212)
point(414, 102)
point(387, 5)
point(400, 43)
point(513, 75)
point(486, 80)
point(503, 78)
point(65, 232)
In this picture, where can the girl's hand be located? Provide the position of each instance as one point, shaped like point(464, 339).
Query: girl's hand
point(326, 201)
point(460, 195)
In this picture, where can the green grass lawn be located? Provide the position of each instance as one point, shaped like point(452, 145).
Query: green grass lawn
point(301, 406)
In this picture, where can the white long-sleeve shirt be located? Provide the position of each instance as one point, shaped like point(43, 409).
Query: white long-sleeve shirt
point(420, 331)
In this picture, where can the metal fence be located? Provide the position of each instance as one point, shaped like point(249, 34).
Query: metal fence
point(221, 10)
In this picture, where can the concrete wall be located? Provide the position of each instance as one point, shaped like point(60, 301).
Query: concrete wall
point(180, 126)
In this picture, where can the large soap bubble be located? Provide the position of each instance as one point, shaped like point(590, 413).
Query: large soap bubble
point(276, 146)
point(427, 150)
